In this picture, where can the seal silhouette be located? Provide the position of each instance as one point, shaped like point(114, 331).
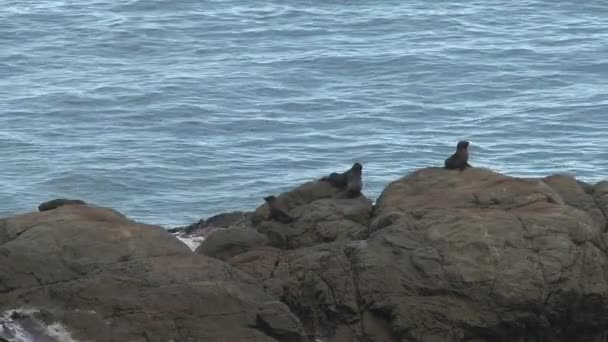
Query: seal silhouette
point(56, 203)
point(460, 159)
point(277, 213)
point(351, 180)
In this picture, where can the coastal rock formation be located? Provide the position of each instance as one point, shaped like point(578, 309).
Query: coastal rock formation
point(226, 243)
point(321, 215)
point(454, 256)
point(444, 255)
point(107, 278)
point(236, 219)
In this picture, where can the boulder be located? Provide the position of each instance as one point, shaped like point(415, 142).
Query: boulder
point(453, 256)
point(479, 255)
point(577, 195)
point(316, 282)
point(236, 219)
point(321, 215)
point(226, 243)
point(107, 278)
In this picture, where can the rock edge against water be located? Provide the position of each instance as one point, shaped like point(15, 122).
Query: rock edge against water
point(441, 256)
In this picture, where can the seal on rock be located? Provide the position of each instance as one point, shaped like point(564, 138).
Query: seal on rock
point(56, 203)
point(459, 160)
point(354, 181)
point(277, 213)
point(350, 180)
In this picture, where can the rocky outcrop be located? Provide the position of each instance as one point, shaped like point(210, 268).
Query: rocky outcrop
point(226, 243)
point(204, 227)
point(451, 256)
point(578, 195)
point(442, 256)
point(321, 215)
point(107, 278)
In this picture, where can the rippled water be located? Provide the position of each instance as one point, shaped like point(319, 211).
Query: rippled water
point(170, 110)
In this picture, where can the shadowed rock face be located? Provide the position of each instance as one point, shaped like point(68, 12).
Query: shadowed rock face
point(108, 278)
point(442, 256)
point(204, 228)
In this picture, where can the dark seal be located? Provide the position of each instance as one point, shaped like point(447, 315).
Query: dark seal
point(277, 213)
point(350, 180)
point(56, 203)
point(459, 160)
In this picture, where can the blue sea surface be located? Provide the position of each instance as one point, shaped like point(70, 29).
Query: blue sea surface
point(173, 110)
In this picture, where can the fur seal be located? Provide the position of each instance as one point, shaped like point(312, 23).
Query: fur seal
point(350, 180)
point(354, 181)
point(56, 203)
point(277, 213)
point(459, 160)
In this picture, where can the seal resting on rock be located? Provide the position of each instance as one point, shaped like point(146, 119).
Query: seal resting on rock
point(350, 180)
point(354, 181)
point(56, 203)
point(277, 213)
point(459, 160)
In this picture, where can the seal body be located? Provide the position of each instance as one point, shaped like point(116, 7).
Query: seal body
point(56, 203)
point(460, 159)
point(276, 213)
point(354, 181)
point(336, 179)
point(350, 180)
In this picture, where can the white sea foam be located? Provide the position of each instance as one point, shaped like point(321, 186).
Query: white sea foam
point(13, 330)
point(59, 332)
point(191, 241)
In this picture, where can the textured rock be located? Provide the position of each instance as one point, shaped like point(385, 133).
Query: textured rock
point(108, 278)
point(204, 228)
point(315, 282)
point(600, 194)
point(321, 215)
point(577, 195)
point(226, 243)
point(443, 256)
point(454, 256)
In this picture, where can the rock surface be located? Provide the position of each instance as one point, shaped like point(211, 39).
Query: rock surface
point(226, 243)
point(451, 256)
point(442, 256)
point(107, 278)
point(321, 215)
point(236, 219)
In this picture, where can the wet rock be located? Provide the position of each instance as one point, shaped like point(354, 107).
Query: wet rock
point(453, 256)
point(237, 219)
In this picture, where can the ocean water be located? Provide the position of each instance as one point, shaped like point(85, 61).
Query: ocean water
point(173, 110)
